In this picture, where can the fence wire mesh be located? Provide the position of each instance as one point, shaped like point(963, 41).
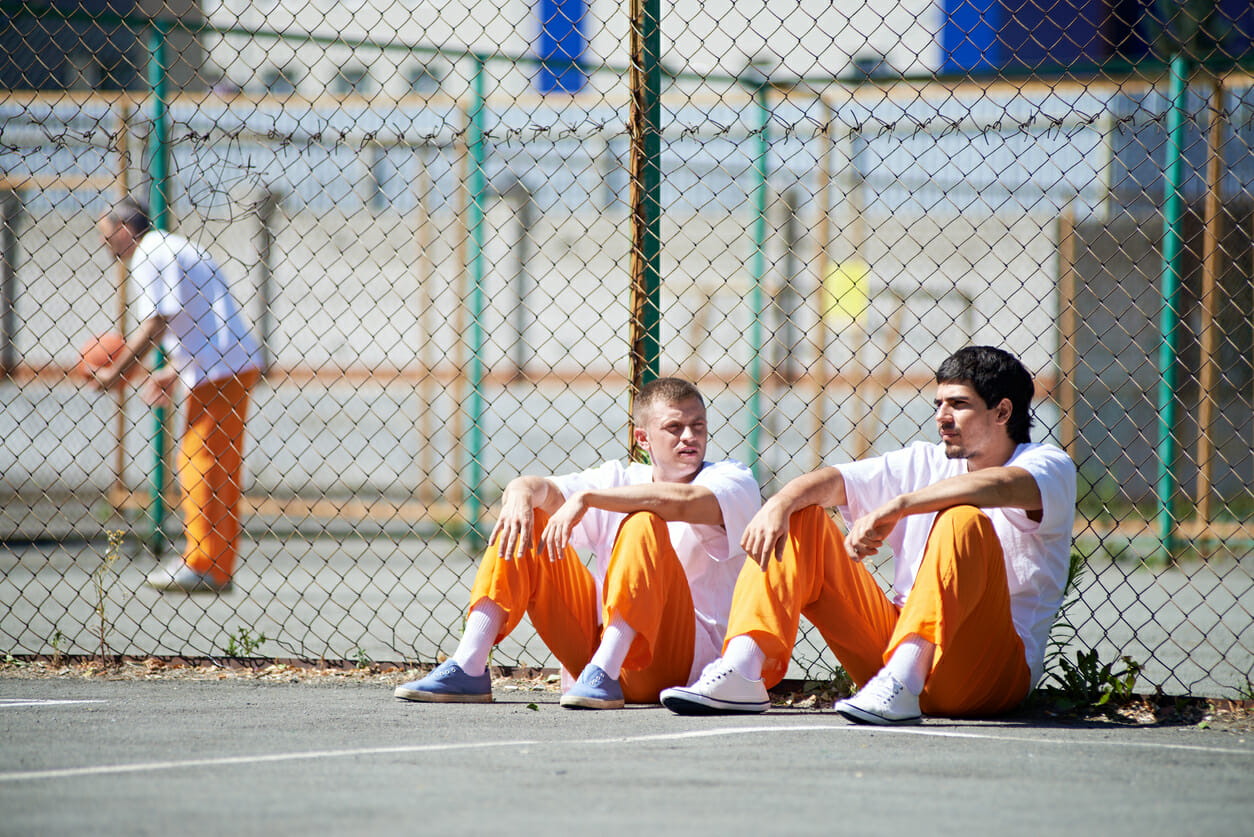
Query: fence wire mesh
point(425, 214)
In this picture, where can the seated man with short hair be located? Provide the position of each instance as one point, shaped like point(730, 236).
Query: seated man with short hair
point(666, 540)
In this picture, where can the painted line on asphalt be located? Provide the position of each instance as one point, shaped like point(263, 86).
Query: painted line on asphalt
point(13, 703)
point(312, 755)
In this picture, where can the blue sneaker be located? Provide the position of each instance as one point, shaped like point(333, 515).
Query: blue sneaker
point(448, 684)
point(594, 690)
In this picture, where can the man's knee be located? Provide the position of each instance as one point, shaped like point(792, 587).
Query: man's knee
point(640, 525)
point(964, 522)
point(964, 537)
point(809, 516)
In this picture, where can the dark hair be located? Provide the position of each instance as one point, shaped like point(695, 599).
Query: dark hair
point(994, 374)
point(665, 391)
point(130, 213)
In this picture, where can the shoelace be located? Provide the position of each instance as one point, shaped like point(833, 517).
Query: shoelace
point(883, 689)
point(714, 671)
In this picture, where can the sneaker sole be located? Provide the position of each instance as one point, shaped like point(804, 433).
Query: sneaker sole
point(701, 705)
point(581, 702)
point(861, 716)
point(436, 697)
point(199, 588)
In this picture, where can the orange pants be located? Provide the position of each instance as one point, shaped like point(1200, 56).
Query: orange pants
point(211, 461)
point(644, 584)
point(960, 602)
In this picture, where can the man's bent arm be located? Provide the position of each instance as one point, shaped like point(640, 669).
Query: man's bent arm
point(137, 345)
point(671, 501)
point(764, 536)
point(999, 487)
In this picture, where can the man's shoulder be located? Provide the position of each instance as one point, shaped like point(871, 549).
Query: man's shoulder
point(1043, 452)
point(727, 470)
point(159, 244)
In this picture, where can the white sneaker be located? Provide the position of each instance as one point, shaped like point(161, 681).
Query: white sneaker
point(720, 690)
point(883, 700)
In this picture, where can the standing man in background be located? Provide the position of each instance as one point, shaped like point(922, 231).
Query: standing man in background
point(185, 305)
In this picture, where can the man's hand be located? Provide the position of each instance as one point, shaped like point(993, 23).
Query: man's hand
point(516, 526)
point(515, 529)
point(105, 378)
point(556, 534)
point(158, 390)
point(766, 533)
point(868, 533)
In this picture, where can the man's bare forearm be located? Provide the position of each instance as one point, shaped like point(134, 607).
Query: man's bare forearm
point(1001, 487)
point(678, 502)
point(533, 492)
point(824, 487)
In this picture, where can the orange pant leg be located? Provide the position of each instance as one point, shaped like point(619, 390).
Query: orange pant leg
point(961, 602)
point(211, 462)
point(560, 597)
point(645, 585)
point(817, 578)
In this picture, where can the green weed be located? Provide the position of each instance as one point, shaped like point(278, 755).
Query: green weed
point(1245, 692)
point(243, 644)
point(1090, 683)
point(99, 581)
point(57, 639)
point(1086, 681)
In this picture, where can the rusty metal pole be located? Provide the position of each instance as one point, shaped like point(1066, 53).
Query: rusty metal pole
point(1212, 230)
point(121, 147)
point(1066, 329)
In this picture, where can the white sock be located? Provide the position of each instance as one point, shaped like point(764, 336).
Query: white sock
point(616, 641)
point(745, 657)
point(911, 663)
point(482, 626)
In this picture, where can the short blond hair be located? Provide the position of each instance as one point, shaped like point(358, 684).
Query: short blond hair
point(662, 391)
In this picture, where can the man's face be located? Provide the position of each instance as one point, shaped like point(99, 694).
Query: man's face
point(675, 435)
point(118, 238)
point(969, 429)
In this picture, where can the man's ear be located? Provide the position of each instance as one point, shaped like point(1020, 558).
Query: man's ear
point(1004, 410)
point(641, 437)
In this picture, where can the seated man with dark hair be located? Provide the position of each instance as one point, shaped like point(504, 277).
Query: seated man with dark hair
point(980, 529)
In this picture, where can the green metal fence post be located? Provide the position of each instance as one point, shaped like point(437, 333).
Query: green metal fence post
point(1169, 314)
point(158, 205)
point(477, 187)
point(644, 351)
point(758, 270)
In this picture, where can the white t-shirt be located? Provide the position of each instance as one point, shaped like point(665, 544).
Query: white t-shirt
point(711, 555)
point(1037, 554)
point(206, 337)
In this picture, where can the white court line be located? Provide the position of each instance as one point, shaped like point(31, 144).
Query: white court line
point(142, 767)
point(11, 703)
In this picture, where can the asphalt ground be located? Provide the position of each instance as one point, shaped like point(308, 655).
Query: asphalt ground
point(249, 757)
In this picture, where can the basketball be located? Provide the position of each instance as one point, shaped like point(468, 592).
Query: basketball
point(99, 352)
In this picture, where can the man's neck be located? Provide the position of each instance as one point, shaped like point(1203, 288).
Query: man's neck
point(994, 458)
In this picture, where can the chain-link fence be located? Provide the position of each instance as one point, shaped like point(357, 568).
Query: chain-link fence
point(437, 221)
